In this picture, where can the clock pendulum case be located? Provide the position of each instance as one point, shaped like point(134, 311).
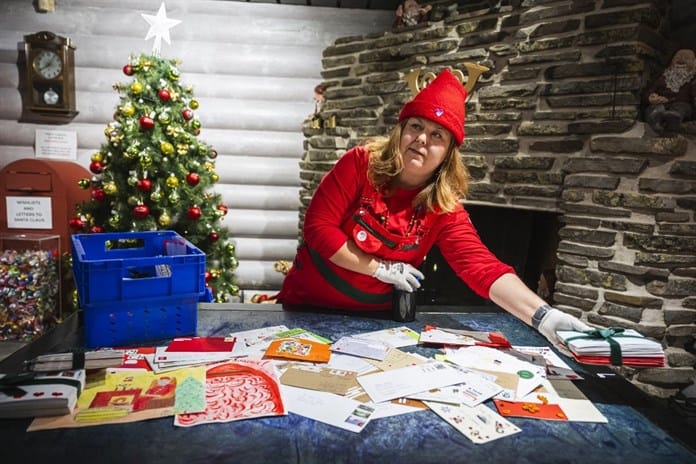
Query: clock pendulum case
point(48, 79)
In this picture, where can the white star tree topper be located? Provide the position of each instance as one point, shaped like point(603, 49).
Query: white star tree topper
point(159, 28)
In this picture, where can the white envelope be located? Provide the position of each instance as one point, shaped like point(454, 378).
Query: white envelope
point(328, 408)
point(405, 381)
point(474, 390)
point(398, 337)
point(484, 358)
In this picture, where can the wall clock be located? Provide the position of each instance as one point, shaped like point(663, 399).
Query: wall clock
point(49, 79)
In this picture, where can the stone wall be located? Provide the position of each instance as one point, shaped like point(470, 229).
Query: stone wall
point(555, 125)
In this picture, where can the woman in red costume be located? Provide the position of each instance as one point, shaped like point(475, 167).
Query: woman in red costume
point(377, 213)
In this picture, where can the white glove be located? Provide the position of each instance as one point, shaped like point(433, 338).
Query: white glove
point(555, 320)
point(402, 275)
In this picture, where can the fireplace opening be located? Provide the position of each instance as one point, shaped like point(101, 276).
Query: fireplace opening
point(526, 240)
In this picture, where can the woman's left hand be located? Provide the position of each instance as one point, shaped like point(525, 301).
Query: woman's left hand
point(556, 320)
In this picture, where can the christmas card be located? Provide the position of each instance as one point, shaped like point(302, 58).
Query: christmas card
point(37, 395)
point(235, 390)
point(131, 396)
point(479, 424)
point(299, 349)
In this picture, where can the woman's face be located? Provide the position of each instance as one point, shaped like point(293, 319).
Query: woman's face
point(424, 145)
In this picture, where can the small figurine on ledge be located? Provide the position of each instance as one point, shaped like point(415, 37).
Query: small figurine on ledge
point(410, 13)
point(319, 99)
point(672, 98)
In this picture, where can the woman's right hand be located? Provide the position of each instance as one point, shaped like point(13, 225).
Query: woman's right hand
point(402, 275)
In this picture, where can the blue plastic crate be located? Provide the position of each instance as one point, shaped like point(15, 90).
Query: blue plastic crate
point(145, 319)
point(122, 266)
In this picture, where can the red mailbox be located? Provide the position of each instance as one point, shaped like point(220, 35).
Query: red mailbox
point(40, 196)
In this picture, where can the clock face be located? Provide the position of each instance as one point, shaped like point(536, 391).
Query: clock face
point(48, 64)
point(51, 97)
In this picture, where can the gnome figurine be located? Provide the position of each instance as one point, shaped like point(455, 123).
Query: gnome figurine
point(672, 98)
point(410, 13)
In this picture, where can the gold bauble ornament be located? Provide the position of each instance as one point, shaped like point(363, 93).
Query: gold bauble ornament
point(172, 181)
point(131, 152)
point(127, 109)
point(174, 198)
point(83, 183)
point(97, 157)
point(166, 148)
point(136, 88)
point(214, 177)
point(110, 188)
point(114, 220)
point(193, 104)
point(164, 220)
point(164, 117)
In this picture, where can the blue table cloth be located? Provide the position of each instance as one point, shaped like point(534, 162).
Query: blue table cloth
point(422, 437)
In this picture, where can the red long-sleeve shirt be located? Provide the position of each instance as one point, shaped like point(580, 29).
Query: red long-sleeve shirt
point(335, 201)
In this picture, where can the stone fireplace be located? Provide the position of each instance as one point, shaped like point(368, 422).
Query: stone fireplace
point(555, 142)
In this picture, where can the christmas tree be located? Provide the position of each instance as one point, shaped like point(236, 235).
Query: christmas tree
point(153, 173)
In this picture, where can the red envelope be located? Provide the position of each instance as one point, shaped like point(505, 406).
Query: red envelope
point(201, 345)
point(530, 410)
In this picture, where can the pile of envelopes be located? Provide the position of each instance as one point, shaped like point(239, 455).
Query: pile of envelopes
point(476, 381)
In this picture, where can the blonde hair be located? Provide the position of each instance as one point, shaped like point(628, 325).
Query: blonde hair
point(449, 183)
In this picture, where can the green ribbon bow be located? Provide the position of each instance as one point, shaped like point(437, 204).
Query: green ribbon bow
point(607, 334)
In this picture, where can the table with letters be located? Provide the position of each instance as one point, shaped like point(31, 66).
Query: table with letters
point(640, 429)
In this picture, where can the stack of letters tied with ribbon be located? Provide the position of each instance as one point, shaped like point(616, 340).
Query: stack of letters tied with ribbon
point(615, 346)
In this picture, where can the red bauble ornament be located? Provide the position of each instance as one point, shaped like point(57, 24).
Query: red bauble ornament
point(223, 208)
point(193, 179)
point(146, 122)
point(164, 95)
point(98, 194)
point(194, 213)
point(214, 236)
point(128, 70)
point(141, 211)
point(208, 276)
point(187, 114)
point(144, 185)
point(76, 224)
point(97, 229)
point(96, 167)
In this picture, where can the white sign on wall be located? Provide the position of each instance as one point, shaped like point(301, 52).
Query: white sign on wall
point(29, 213)
point(56, 144)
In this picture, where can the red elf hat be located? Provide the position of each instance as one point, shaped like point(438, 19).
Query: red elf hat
point(442, 102)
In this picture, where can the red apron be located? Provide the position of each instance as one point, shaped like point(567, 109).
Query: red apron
point(315, 281)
